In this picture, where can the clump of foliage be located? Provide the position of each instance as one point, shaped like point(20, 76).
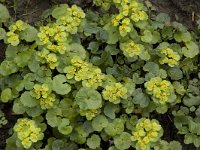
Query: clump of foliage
point(3, 120)
point(88, 80)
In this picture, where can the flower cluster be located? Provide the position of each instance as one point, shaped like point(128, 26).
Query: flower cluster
point(77, 70)
point(128, 9)
point(170, 57)
point(146, 131)
point(44, 95)
point(28, 132)
point(81, 70)
point(53, 37)
point(12, 35)
point(131, 49)
point(72, 19)
point(115, 92)
point(49, 58)
point(40, 91)
point(94, 78)
point(160, 89)
point(89, 113)
point(47, 103)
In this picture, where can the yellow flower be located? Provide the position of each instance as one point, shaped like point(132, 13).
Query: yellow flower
point(40, 91)
point(114, 93)
point(20, 25)
point(27, 132)
point(93, 78)
point(140, 15)
point(89, 113)
point(125, 10)
point(126, 21)
point(52, 60)
point(171, 58)
point(145, 133)
point(131, 49)
point(160, 89)
point(13, 38)
point(47, 103)
point(77, 70)
point(124, 29)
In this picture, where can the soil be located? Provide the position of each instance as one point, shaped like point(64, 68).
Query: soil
point(184, 11)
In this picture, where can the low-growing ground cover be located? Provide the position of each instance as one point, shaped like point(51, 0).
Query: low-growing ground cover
point(112, 76)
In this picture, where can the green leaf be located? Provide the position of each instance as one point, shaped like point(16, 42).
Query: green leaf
point(33, 65)
point(60, 11)
point(11, 52)
point(102, 35)
point(167, 32)
point(162, 109)
point(34, 111)
point(27, 100)
point(140, 98)
point(22, 59)
point(2, 34)
point(151, 67)
point(147, 36)
point(191, 101)
point(94, 141)
point(18, 107)
point(52, 119)
point(6, 95)
point(175, 73)
point(59, 85)
point(99, 122)
point(113, 33)
point(188, 138)
point(122, 141)
point(11, 143)
point(57, 144)
point(29, 34)
point(163, 17)
point(77, 49)
point(156, 37)
point(112, 49)
point(194, 127)
point(191, 49)
point(4, 14)
point(115, 127)
point(8, 67)
point(104, 57)
point(64, 127)
point(113, 148)
point(144, 55)
point(110, 109)
point(182, 36)
point(91, 28)
point(137, 79)
point(94, 47)
point(179, 88)
point(88, 98)
point(142, 24)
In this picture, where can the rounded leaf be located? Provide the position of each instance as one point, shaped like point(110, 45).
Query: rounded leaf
point(94, 141)
point(88, 98)
point(99, 122)
point(122, 141)
point(59, 85)
point(4, 14)
point(6, 95)
point(27, 100)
